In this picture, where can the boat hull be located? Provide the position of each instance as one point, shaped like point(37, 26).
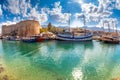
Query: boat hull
point(29, 40)
point(66, 39)
point(111, 42)
point(40, 39)
point(74, 38)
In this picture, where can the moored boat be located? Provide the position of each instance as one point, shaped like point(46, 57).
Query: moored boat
point(111, 40)
point(0, 37)
point(40, 39)
point(29, 40)
point(110, 37)
point(70, 37)
point(11, 38)
point(14, 38)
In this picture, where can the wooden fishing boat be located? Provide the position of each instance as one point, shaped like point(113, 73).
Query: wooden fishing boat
point(109, 38)
point(112, 40)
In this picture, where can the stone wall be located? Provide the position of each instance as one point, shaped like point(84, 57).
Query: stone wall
point(22, 29)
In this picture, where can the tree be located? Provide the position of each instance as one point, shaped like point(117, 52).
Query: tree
point(49, 26)
point(43, 30)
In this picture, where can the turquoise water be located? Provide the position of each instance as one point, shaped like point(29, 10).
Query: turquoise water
point(58, 60)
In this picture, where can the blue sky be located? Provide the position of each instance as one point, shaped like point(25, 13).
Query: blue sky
point(97, 12)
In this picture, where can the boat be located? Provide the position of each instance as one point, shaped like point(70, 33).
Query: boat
point(113, 40)
point(70, 35)
point(11, 38)
point(6, 38)
point(29, 39)
point(48, 35)
point(14, 38)
point(0, 36)
point(40, 39)
point(109, 38)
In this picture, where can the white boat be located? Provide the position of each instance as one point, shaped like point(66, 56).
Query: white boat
point(70, 37)
point(11, 38)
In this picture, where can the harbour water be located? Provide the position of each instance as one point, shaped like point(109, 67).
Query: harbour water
point(59, 60)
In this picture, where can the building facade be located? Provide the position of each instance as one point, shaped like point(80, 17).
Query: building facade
point(22, 29)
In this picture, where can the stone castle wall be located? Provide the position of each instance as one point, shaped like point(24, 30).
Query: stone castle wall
point(22, 29)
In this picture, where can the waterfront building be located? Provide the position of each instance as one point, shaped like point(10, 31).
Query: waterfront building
point(22, 29)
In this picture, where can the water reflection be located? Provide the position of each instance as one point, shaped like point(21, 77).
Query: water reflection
point(70, 45)
point(65, 60)
point(77, 74)
point(90, 73)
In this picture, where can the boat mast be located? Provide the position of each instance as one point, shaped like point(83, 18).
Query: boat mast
point(113, 24)
point(108, 27)
point(103, 26)
point(84, 19)
point(84, 23)
point(116, 28)
point(69, 23)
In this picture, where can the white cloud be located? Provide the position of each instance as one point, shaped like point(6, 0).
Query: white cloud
point(36, 15)
point(79, 15)
point(0, 10)
point(110, 4)
point(117, 4)
point(57, 14)
point(91, 8)
point(13, 6)
point(8, 23)
point(93, 12)
point(106, 4)
point(111, 21)
point(82, 17)
point(79, 1)
point(76, 23)
point(61, 17)
point(24, 6)
point(99, 13)
point(107, 20)
point(18, 6)
point(25, 9)
point(17, 19)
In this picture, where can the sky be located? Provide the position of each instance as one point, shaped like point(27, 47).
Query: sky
point(97, 12)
